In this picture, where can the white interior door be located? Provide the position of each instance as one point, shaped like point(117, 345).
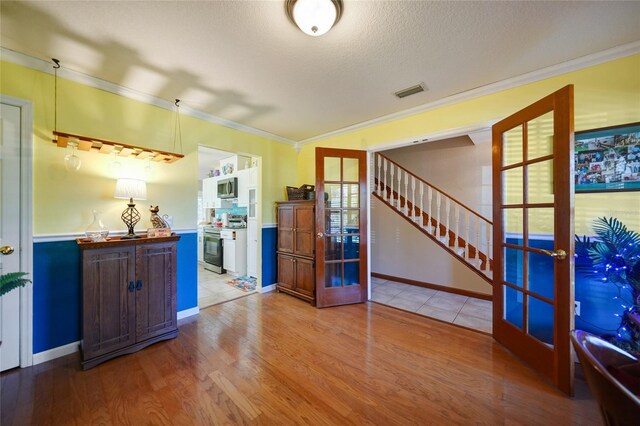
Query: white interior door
point(10, 233)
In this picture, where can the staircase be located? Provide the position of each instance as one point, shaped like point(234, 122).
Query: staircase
point(458, 229)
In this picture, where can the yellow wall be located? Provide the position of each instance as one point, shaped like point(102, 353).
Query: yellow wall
point(605, 95)
point(63, 200)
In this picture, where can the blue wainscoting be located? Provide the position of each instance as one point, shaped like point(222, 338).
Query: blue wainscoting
point(269, 259)
point(57, 295)
point(597, 303)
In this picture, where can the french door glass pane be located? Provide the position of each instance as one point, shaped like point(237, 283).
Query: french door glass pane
point(512, 146)
point(350, 196)
point(351, 273)
point(512, 186)
point(333, 248)
point(540, 320)
point(541, 274)
point(351, 246)
point(350, 221)
point(350, 169)
point(541, 227)
point(332, 168)
point(332, 195)
point(513, 226)
point(513, 266)
point(540, 182)
point(513, 300)
point(332, 275)
point(332, 222)
point(540, 136)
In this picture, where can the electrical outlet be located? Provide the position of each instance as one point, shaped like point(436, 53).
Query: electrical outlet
point(576, 309)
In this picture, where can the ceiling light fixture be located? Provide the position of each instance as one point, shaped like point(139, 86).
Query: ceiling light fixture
point(314, 17)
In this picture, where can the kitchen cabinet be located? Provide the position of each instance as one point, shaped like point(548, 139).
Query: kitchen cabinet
point(128, 296)
point(296, 248)
point(243, 188)
point(210, 198)
point(234, 253)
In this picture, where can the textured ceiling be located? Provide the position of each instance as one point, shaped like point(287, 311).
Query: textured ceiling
point(245, 62)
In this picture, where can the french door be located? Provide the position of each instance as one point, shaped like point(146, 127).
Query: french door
point(533, 292)
point(341, 226)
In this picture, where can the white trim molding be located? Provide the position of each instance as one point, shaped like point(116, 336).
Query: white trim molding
point(188, 312)
point(530, 77)
point(268, 288)
point(26, 215)
point(54, 353)
point(41, 65)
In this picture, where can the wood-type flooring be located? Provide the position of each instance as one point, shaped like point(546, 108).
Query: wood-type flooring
point(273, 359)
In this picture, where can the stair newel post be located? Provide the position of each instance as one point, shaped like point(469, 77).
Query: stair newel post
point(467, 251)
point(399, 186)
point(456, 219)
point(413, 198)
point(438, 205)
point(487, 265)
point(430, 199)
point(477, 242)
point(406, 193)
point(379, 182)
point(421, 204)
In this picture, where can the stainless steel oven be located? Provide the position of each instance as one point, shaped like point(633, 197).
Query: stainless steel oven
point(213, 249)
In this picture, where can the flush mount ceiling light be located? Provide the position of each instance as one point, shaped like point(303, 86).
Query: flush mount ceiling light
point(314, 17)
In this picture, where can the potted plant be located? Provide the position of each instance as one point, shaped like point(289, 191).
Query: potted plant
point(12, 280)
point(615, 260)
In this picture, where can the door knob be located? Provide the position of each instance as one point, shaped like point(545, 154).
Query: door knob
point(320, 235)
point(6, 250)
point(558, 254)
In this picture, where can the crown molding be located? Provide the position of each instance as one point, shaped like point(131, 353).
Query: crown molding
point(489, 89)
point(97, 83)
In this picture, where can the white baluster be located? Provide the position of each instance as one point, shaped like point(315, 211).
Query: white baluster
point(379, 165)
point(421, 204)
point(477, 242)
point(406, 193)
point(399, 186)
point(413, 198)
point(430, 197)
point(438, 205)
point(391, 172)
point(448, 223)
point(384, 188)
point(489, 253)
point(467, 251)
point(456, 243)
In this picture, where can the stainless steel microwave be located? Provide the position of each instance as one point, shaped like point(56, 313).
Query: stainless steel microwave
point(228, 188)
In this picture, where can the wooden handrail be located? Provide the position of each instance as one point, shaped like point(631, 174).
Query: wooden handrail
point(437, 189)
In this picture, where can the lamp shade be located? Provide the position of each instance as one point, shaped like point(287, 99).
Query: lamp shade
point(131, 188)
point(314, 17)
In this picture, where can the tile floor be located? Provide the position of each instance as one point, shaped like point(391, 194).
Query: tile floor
point(462, 310)
point(213, 288)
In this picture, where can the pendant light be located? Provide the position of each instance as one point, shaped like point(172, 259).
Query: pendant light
point(314, 17)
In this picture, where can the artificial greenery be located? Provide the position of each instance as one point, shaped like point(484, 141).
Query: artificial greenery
point(615, 259)
point(12, 280)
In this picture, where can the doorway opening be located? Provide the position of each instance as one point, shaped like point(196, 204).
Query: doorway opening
point(229, 219)
point(420, 260)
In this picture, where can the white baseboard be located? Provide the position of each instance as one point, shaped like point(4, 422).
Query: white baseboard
point(54, 353)
point(188, 312)
point(268, 288)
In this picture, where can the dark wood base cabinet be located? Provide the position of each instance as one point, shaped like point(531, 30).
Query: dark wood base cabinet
point(128, 296)
point(296, 249)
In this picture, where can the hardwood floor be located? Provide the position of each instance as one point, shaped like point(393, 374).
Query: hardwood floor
point(274, 359)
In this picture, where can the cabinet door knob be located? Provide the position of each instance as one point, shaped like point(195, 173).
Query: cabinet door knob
point(131, 286)
point(6, 250)
point(139, 285)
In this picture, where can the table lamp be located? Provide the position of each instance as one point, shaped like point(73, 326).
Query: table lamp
point(133, 189)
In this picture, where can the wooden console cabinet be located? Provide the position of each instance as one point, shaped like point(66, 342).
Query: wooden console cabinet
point(296, 249)
point(128, 296)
